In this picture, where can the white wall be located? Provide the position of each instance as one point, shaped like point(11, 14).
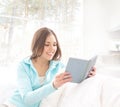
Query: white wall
point(101, 20)
point(96, 18)
point(114, 15)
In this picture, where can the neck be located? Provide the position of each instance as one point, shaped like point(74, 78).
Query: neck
point(41, 62)
point(41, 65)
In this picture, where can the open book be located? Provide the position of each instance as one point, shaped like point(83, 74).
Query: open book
point(79, 68)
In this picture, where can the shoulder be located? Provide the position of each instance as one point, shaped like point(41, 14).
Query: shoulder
point(54, 63)
point(24, 63)
point(56, 66)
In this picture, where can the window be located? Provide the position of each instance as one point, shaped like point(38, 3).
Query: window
point(20, 19)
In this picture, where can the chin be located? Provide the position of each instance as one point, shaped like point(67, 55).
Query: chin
point(50, 58)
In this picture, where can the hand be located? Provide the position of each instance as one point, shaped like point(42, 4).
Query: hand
point(61, 79)
point(92, 72)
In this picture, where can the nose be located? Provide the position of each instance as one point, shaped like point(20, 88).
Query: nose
point(51, 47)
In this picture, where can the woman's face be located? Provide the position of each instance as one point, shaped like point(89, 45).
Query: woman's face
point(50, 47)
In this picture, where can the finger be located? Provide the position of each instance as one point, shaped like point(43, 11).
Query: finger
point(66, 80)
point(93, 69)
point(67, 76)
point(92, 74)
point(64, 75)
point(60, 76)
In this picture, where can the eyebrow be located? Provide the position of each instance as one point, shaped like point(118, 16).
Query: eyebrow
point(49, 42)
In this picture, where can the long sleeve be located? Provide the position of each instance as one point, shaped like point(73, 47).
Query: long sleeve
point(30, 91)
point(26, 89)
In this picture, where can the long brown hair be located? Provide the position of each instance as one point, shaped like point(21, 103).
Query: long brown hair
point(38, 42)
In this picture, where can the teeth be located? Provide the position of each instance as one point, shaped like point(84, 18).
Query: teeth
point(50, 53)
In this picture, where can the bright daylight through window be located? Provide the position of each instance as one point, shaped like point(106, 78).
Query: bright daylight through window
point(20, 18)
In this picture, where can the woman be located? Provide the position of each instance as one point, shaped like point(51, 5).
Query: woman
point(36, 75)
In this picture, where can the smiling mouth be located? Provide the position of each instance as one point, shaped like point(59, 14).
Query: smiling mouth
point(51, 53)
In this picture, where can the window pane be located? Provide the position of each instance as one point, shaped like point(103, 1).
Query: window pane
point(20, 19)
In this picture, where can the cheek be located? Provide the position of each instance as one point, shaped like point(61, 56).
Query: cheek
point(56, 49)
point(45, 49)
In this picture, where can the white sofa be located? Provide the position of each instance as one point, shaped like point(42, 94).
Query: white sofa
point(99, 91)
point(6, 90)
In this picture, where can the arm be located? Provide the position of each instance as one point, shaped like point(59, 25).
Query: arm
point(29, 95)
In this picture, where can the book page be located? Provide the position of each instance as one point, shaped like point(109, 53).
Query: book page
point(79, 68)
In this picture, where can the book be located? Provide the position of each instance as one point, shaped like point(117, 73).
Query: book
point(80, 68)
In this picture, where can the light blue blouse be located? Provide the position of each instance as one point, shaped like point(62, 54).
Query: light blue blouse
point(30, 92)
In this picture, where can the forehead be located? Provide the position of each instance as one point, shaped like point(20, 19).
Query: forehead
point(51, 38)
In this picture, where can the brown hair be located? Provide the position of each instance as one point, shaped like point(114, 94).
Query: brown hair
point(38, 42)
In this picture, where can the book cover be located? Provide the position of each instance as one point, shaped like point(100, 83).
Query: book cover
point(79, 68)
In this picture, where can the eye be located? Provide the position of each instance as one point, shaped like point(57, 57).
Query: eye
point(46, 44)
point(55, 44)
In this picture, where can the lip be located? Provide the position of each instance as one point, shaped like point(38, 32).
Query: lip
point(50, 53)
